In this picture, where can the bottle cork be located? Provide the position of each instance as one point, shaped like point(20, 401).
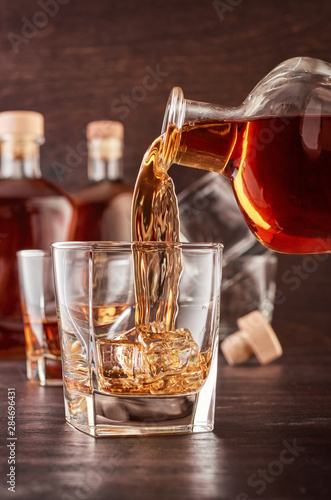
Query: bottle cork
point(105, 140)
point(105, 128)
point(22, 122)
point(256, 336)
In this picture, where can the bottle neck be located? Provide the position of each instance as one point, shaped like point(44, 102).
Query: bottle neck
point(197, 134)
point(105, 159)
point(19, 157)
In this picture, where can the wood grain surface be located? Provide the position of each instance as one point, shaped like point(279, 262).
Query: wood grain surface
point(88, 60)
point(260, 411)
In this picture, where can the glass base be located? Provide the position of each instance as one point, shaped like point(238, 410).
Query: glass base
point(100, 415)
point(44, 371)
point(135, 415)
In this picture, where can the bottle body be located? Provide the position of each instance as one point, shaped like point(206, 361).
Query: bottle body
point(275, 150)
point(282, 183)
point(104, 206)
point(33, 214)
point(104, 212)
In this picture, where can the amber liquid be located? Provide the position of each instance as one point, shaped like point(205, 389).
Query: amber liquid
point(155, 218)
point(43, 342)
point(154, 357)
point(280, 170)
point(40, 334)
point(154, 207)
point(153, 361)
point(102, 316)
point(33, 214)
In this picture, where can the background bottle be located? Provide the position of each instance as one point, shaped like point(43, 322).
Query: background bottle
point(33, 213)
point(104, 207)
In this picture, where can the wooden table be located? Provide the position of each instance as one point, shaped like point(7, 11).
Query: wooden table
point(271, 441)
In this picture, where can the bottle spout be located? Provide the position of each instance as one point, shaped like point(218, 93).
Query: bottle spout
point(181, 114)
point(180, 111)
point(175, 110)
point(173, 121)
point(188, 133)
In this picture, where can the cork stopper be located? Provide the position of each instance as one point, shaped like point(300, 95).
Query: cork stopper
point(21, 123)
point(256, 336)
point(105, 129)
point(105, 150)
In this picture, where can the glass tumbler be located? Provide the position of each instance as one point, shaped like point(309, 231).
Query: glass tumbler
point(42, 342)
point(139, 335)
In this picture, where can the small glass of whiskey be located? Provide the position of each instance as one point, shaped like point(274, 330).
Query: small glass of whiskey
point(139, 335)
point(42, 342)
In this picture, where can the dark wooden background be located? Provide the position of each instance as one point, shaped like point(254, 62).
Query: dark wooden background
point(79, 64)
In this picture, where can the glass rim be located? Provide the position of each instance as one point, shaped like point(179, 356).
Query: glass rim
point(126, 245)
point(33, 253)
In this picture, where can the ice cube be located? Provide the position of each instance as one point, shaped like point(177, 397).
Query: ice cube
point(121, 359)
point(151, 360)
point(168, 352)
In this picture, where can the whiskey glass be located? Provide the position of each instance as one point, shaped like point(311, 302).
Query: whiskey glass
point(42, 342)
point(139, 335)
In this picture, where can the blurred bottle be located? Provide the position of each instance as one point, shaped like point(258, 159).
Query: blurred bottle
point(104, 207)
point(33, 213)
